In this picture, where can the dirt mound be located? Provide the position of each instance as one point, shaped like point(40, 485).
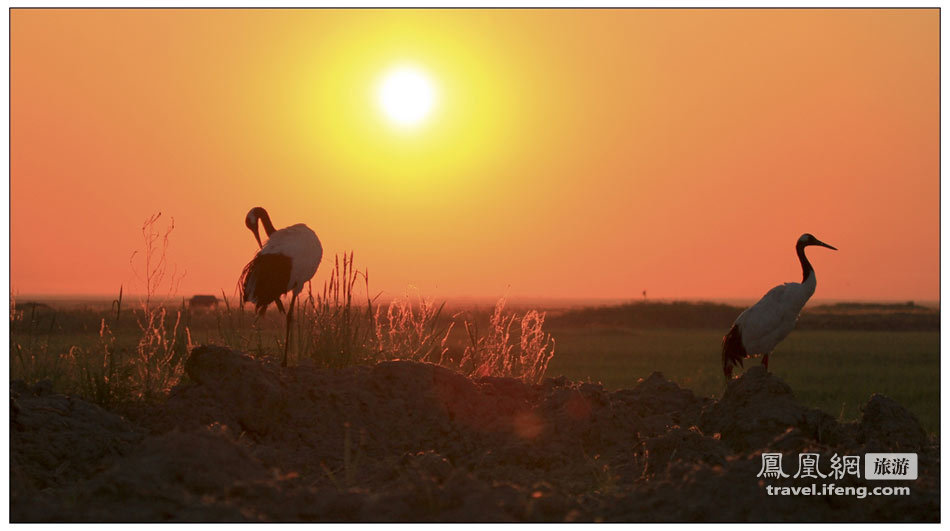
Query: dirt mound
point(246, 440)
point(887, 427)
point(757, 408)
point(56, 440)
point(681, 446)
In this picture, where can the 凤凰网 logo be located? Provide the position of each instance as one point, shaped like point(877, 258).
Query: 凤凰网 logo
point(877, 466)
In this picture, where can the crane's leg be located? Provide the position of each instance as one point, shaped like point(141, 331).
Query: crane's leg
point(765, 361)
point(280, 307)
point(290, 312)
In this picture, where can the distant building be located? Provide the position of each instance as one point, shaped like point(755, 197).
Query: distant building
point(203, 301)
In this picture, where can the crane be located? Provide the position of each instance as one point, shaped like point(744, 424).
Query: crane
point(766, 323)
point(285, 263)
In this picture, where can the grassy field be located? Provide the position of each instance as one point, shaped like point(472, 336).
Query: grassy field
point(834, 370)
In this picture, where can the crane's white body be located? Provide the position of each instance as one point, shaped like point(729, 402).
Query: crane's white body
point(302, 246)
point(766, 323)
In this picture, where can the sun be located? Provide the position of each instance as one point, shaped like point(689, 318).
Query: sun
point(406, 96)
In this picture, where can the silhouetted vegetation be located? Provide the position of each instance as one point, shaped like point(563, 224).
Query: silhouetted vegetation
point(91, 353)
point(88, 351)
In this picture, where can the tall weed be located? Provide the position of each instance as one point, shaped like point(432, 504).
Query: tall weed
point(496, 353)
point(165, 339)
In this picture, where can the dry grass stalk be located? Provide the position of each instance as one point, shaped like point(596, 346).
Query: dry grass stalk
point(164, 342)
point(411, 331)
point(494, 354)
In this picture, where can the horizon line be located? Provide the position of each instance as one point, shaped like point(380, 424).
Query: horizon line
point(522, 299)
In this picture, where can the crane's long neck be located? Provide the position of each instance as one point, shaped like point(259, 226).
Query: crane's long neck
point(807, 269)
point(268, 226)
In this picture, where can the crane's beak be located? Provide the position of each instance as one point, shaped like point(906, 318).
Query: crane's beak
point(253, 225)
point(256, 232)
point(823, 244)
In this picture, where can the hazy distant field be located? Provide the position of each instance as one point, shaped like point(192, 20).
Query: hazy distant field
point(834, 370)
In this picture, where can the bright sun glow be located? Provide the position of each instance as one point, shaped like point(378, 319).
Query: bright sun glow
point(406, 95)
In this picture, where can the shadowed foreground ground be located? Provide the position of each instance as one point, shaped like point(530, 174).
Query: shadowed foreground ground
point(404, 441)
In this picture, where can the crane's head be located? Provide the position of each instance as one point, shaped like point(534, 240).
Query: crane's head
point(807, 239)
point(252, 221)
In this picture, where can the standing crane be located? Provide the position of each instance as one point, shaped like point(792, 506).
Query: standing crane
point(765, 324)
point(285, 263)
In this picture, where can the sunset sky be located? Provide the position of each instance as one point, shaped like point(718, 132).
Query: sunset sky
point(566, 153)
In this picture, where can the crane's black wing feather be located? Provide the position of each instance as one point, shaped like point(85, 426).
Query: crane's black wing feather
point(264, 279)
point(733, 352)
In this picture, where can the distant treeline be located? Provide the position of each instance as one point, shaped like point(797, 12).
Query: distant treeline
point(843, 316)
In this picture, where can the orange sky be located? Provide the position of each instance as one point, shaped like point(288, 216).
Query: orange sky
point(572, 153)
